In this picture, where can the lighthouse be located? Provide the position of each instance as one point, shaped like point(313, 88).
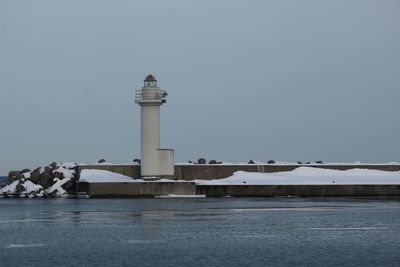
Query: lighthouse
point(156, 163)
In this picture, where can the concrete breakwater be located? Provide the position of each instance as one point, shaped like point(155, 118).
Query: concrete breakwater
point(214, 172)
point(152, 189)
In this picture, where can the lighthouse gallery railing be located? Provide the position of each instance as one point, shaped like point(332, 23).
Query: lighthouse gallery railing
point(141, 95)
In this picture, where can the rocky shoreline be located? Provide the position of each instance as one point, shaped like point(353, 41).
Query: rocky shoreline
point(54, 180)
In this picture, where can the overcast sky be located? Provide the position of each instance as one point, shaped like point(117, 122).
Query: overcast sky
point(255, 79)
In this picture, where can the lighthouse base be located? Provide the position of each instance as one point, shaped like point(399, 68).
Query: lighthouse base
point(159, 165)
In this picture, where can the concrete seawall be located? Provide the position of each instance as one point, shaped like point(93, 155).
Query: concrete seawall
point(132, 190)
point(298, 190)
point(218, 171)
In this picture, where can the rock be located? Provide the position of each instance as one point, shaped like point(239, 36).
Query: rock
point(53, 194)
point(47, 169)
point(14, 175)
point(54, 165)
point(46, 178)
point(319, 162)
point(19, 189)
point(68, 185)
point(271, 161)
point(58, 175)
point(137, 161)
point(101, 161)
point(213, 161)
point(251, 162)
point(35, 176)
point(299, 162)
point(308, 162)
point(41, 193)
point(25, 170)
point(189, 161)
point(202, 161)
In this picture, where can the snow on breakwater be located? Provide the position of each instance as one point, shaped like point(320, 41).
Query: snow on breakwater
point(309, 176)
point(102, 176)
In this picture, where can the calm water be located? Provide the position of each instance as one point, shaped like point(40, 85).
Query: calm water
point(200, 232)
point(3, 179)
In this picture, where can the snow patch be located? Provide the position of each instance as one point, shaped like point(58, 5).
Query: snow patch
point(67, 173)
point(57, 186)
point(101, 176)
point(110, 163)
point(30, 188)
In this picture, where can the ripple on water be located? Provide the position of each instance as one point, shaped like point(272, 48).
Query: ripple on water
point(24, 245)
point(348, 228)
point(143, 241)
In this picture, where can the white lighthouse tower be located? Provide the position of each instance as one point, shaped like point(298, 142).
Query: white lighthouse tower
point(156, 162)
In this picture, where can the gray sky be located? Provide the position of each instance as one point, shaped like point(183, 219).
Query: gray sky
point(260, 79)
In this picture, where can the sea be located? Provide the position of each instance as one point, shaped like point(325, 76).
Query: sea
point(200, 232)
point(3, 179)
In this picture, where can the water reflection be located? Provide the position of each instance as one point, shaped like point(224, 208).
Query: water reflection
point(146, 211)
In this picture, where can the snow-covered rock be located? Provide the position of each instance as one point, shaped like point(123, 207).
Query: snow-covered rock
point(31, 189)
point(9, 188)
point(51, 181)
point(56, 189)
